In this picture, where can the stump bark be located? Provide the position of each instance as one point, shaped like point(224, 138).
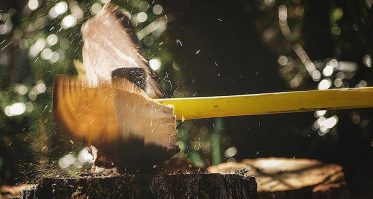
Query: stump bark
point(147, 186)
point(291, 178)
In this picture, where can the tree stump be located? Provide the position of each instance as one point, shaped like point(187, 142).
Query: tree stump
point(291, 178)
point(146, 186)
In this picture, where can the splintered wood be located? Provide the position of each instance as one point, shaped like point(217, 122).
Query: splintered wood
point(109, 44)
point(116, 114)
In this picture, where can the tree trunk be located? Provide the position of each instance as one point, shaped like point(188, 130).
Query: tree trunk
point(147, 186)
point(291, 178)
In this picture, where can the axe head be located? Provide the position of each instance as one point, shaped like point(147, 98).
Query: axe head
point(112, 107)
point(126, 125)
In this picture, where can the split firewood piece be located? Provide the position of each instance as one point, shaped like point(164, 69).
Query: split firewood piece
point(119, 119)
point(109, 45)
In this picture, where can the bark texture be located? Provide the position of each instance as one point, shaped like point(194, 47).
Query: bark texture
point(147, 186)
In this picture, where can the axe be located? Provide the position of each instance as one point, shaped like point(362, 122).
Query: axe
point(118, 106)
point(126, 114)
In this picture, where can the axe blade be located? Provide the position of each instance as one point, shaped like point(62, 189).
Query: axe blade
point(119, 119)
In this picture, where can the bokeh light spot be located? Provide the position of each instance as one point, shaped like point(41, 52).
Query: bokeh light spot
point(52, 39)
point(15, 109)
point(68, 21)
point(316, 75)
point(143, 6)
point(320, 113)
point(95, 8)
point(37, 47)
point(328, 70)
point(66, 161)
point(230, 152)
point(85, 157)
point(58, 9)
point(155, 64)
point(21, 89)
point(40, 87)
point(141, 17)
point(282, 60)
point(324, 84)
point(367, 60)
point(46, 54)
point(33, 4)
point(157, 9)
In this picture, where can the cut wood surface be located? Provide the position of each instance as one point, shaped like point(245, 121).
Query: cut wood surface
point(290, 178)
point(147, 186)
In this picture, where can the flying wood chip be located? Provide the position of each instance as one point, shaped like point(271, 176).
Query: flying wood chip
point(119, 119)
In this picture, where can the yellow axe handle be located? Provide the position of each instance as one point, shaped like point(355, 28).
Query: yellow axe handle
point(270, 103)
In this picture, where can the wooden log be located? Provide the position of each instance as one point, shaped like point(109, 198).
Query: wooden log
point(291, 178)
point(147, 186)
point(9, 192)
